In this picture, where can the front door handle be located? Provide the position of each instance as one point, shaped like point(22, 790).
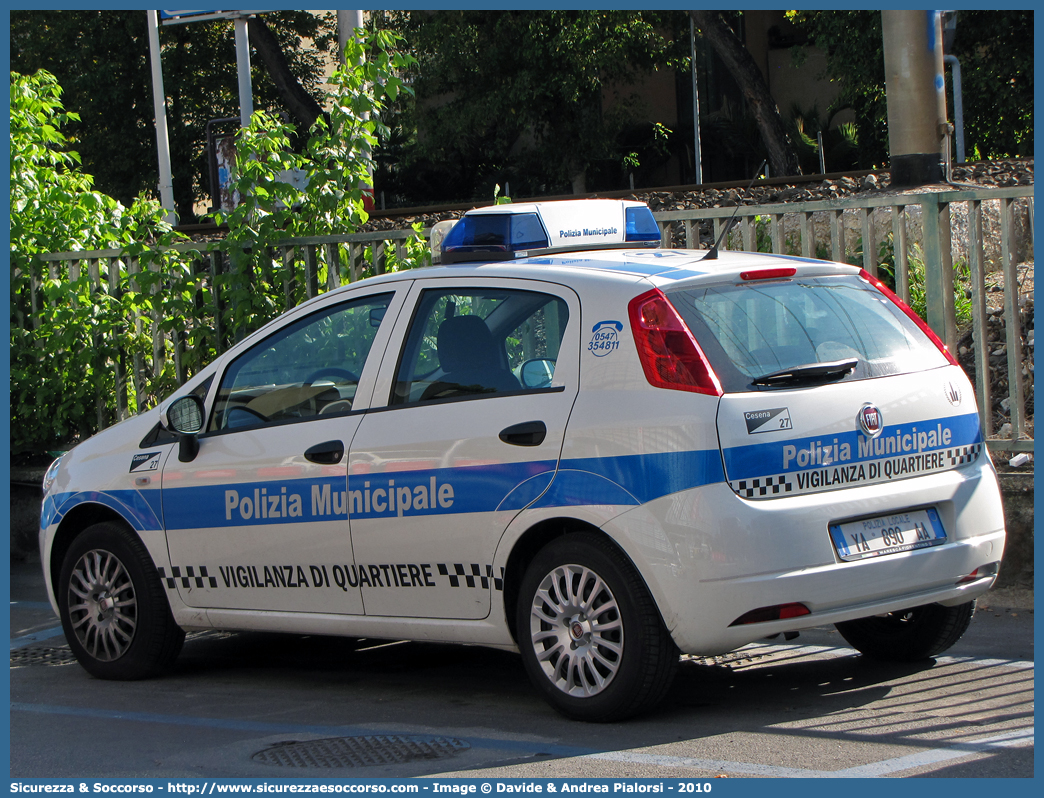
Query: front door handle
point(528, 433)
point(327, 453)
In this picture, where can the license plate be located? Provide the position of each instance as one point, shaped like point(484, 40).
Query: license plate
point(888, 534)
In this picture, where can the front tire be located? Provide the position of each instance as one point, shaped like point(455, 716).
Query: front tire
point(591, 637)
point(909, 635)
point(114, 613)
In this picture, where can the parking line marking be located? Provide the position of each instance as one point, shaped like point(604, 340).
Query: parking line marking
point(35, 637)
point(32, 605)
point(1017, 738)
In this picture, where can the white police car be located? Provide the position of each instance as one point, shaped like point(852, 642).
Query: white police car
point(563, 440)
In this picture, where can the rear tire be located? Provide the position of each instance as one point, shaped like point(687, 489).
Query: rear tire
point(909, 635)
point(113, 608)
point(591, 637)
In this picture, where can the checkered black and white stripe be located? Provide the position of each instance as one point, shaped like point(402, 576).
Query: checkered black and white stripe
point(474, 578)
point(192, 576)
point(762, 486)
point(964, 454)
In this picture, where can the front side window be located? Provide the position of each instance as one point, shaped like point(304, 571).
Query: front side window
point(465, 343)
point(307, 369)
point(753, 329)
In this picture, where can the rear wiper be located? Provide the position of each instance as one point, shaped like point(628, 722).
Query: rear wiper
point(810, 372)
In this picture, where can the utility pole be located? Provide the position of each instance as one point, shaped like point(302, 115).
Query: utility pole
point(917, 126)
point(159, 102)
point(347, 23)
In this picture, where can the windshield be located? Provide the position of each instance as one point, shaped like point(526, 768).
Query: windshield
point(753, 329)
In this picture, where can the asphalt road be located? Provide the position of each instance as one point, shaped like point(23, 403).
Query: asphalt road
point(251, 705)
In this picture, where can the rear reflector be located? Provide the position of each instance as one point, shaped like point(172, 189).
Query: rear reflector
point(884, 289)
point(982, 572)
point(780, 612)
point(768, 274)
point(670, 356)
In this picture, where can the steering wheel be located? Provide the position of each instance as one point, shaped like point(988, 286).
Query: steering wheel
point(332, 371)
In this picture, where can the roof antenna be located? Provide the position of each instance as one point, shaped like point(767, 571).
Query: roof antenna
point(713, 254)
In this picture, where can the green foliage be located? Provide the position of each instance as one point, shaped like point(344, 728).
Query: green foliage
point(82, 326)
point(995, 49)
point(962, 290)
point(329, 198)
point(517, 96)
point(855, 61)
point(60, 357)
point(101, 58)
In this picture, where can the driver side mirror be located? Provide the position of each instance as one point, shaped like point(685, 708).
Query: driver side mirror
point(184, 417)
point(537, 373)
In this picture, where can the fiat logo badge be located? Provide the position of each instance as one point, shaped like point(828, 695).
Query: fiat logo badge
point(871, 421)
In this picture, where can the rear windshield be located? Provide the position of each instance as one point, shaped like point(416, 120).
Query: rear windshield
point(750, 330)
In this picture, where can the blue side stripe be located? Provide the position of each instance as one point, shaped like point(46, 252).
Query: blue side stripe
point(139, 508)
point(764, 459)
point(651, 476)
point(628, 480)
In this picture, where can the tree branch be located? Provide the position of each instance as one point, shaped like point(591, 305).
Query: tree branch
point(294, 96)
point(782, 156)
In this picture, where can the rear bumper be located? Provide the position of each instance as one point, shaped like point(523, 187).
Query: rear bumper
point(845, 591)
point(709, 556)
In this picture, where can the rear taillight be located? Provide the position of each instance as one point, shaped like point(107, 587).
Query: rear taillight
point(669, 354)
point(884, 289)
point(779, 612)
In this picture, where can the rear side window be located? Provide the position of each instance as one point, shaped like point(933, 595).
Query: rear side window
point(749, 330)
point(465, 343)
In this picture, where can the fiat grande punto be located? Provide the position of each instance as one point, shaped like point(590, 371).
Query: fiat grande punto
point(562, 440)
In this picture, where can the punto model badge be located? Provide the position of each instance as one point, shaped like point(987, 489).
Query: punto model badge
point(870, 421)
point(953, 393)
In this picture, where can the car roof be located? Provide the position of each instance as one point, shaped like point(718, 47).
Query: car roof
point(661, 266)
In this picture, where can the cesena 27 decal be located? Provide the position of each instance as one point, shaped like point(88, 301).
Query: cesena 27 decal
point(148, 461)
point(767, 420)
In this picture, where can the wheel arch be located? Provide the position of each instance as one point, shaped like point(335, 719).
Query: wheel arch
point(530, 542)
point(74, 522)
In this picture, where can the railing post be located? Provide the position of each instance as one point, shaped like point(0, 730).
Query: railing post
point(776, 233)
point(311, 271)
point(808, 235)
point(1012, 324)
point(837, 236)
point(866, 218)
point(34, 300)
point(215, 271)
point(159, 354)
point(133, 267)
point(120, 375)
point(289, 276)
point(938, 271)
point(333, 266)
point(980, 336)
point(902, 272)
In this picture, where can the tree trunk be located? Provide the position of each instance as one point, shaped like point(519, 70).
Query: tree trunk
point(782, 156)
point(294, 96)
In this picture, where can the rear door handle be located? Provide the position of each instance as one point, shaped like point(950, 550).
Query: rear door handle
point(528, 433)
point(327, 453)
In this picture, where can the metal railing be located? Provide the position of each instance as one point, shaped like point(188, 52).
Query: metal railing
point(310, 266)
